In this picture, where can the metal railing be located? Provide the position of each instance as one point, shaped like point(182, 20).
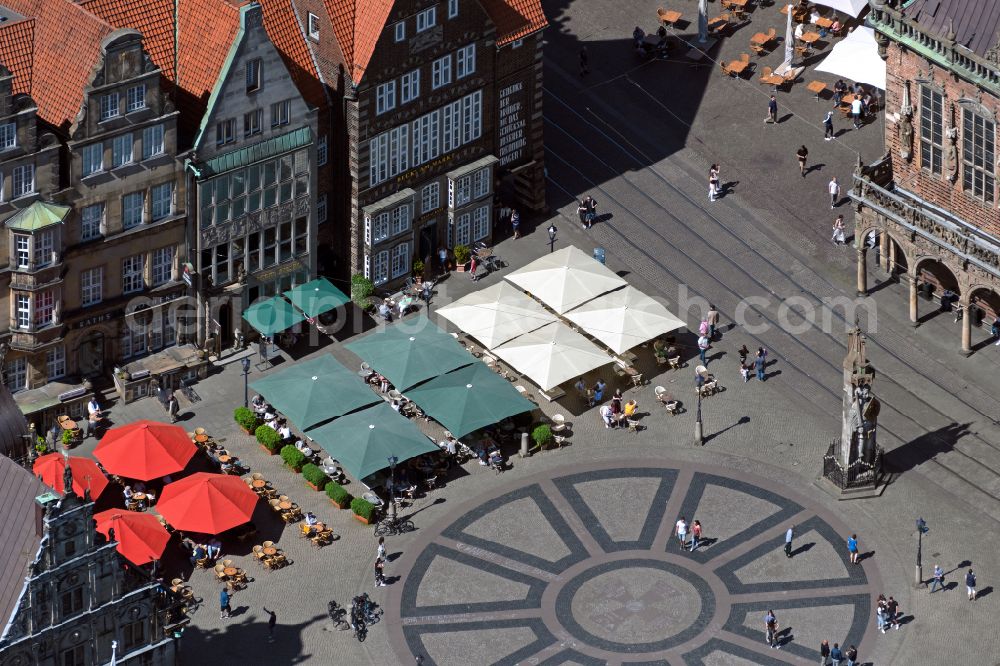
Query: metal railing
point(858, 474)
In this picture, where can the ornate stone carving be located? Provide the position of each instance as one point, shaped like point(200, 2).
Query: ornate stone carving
point(951, 153)
point(993, 54)
point(905, 131)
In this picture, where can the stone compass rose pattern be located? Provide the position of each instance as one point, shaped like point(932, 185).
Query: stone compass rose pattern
point(582, 567)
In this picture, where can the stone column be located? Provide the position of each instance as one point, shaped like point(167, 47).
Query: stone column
point(913, 299)
point(862, 271)
point(891, 261)
point(966, 329)
point(884, 244)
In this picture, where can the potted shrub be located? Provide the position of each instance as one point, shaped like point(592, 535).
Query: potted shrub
point(361, 291)
point(293, 457)
point(338, 495)
point(418, 270)
point(542, 435)
point(269, 439)
point(462, 256)
point(363, 510)
point(41, 446)
point(67, 439)
point(314, 476)
point(246, 419)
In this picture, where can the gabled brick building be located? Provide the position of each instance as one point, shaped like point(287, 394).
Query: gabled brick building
point(933, 199)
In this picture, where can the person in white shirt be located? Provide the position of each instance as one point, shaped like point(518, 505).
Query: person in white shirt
point(214, 549)
point(798, 31)
point(311, 519)
point(682, 529)
point(93, 409)
point(834, 189)
point(285, 432)
point(127, 492)
point(856, 108)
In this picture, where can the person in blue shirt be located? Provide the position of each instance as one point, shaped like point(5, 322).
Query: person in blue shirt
point(852, 548)
point(836, 654)
point(224, 609)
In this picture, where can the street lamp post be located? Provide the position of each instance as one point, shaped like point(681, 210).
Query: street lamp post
point(246, 381)
point(392, 489)
point(698, 440)
point(921, 530)
point(552, 237)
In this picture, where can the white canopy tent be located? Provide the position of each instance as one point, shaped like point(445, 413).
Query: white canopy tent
point(624, 319)
point(552, 354)
point(852, 7)
point(497, 314)
point(566, 278)
point(856, 58)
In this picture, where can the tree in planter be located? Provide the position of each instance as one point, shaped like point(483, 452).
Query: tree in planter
point(269, 438)
point(418, 269)
point(293, 457)
point(363, 509)
point(67, 438)
point(361, 291)
point(338, 494)
point(542, 435)
point(462, 255)
point(315, 476)
point(246, 419)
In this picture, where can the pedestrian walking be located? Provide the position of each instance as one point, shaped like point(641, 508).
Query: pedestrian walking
point(224, 608)
point(173, 407)
point(824, 653)
point(852, 656)
point(834, 189)
point(881, 615)
point(892, 612)
point(587, 210)
point(758, 365)
point(442, 259)
point(380, 553)
point(584, 61)
point(695, 534)
point(970, 584)
point(744, 372)
point(515, 223)
point(836, 654)
point(788, 541)
point(712, 317)
point(838, 231)
point(771, 629)
point(713, 182)
point(937, 579)
point(772, 110)
point(803, 154)
point(682, 528)
point(703, 346)
point(703, 327)
point(743, 353)
point(856, 108)
point(380, 572)
point(472, 268)
point(852, 548)
point(828, 126)
point(271, 621)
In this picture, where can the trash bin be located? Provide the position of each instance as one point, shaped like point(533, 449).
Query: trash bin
point(599, 254)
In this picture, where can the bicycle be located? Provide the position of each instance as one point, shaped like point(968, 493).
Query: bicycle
point(391, 525)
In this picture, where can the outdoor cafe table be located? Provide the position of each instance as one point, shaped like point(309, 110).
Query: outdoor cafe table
point(270, 550)
point(259, 483)
point(810, 37)
point(201, 439)
point(230, 571)
point(67, 423)
point(824, 22)
point(224, 458)
point(737, 66)
point(285, 506)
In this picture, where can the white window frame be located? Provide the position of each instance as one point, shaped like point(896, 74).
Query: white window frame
point(133, 268)
point(385, 97)
point(452, 8)
point(399, 31)
point(162, 265)
point(426, 138)
point(481, 183)
point(463, 191)
point(399, 260)
point(92, 286)
point(472, 117)
point(253, 122)
point(281, 113)
point(136, 98)
point(92, 159)
point(161, 200)
point(8, 136)
point(132, 202)
point(451, 126)
point(427, 19)
point(409, 87)
point(43, 245)
point(312, 23)
point(380, 227)
point(441, 72)
point(380, 267)
point(480, 223)
point(321, 151)
point(22, 311)
point(16, 374)
point(402, 217)
point(55, 362)
point(463, 229)
point(122, 150)
point(152, 141)
point(44, 307)
point(22, 181)
point(91, 221)
point(465, 61)
point(110, 106)
point(22, 251)
point(378, 159)
point(430, 198)
point(399, 150)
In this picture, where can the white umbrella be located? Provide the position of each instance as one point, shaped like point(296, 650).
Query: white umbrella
point(551, 355)
point(624, 319)
point(566, 278)
point(789, 43)
point(857, 59)
point(852, 7)
point(496, 314)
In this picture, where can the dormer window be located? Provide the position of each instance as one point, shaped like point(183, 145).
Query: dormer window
point(313, 26)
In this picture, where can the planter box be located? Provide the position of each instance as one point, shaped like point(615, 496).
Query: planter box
point(310, 484)
point(267, 450)
point(461, 268)
point(249, 432)
point(361, 519)
point(297, 470)
point(339, 506)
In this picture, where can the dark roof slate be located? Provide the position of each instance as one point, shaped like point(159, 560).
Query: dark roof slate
point(18, 490)
point(976, 23)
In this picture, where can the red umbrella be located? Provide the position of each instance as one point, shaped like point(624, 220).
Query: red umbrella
point(86, 474)
point(140, 536)
point(209, 503)
point(145, 450)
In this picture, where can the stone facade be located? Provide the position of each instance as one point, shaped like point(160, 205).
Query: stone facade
point(933, 198)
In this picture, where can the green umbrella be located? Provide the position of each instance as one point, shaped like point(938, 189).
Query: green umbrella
point(316, 297)
point(363, 441)
point(272, 316)
point(314, 391)
point(469, 398)
point(411, 351)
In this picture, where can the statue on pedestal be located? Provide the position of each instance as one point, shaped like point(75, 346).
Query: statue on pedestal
point(861, 407)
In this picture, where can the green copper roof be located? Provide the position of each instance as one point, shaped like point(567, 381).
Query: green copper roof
point(37, 216)
point(255, 153)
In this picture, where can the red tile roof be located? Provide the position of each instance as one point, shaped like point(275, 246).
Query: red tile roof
point(515, 19)
point(67, 46)
point(17, 44)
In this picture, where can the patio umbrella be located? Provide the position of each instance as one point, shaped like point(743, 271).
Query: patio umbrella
point(623, 319)
point(469, 398)
point(140, 536)
point(362, 442)
point(565, 278)
point(411, 351)
point(314, 391)
point(789, 44)
point(316, 297)
point(496, 314)
point(272, 316)
point(86, 474)
point(209, 503)
point(145, 450)
point(552, 355)
point(856, 58)
point(852, 7)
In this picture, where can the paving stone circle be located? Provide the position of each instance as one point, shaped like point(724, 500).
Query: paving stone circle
point(582, 566)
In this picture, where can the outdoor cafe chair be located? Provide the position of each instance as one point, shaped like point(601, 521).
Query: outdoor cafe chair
point(633, 425)
point(258, 553)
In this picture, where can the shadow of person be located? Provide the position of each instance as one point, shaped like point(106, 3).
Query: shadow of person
point(804, 548)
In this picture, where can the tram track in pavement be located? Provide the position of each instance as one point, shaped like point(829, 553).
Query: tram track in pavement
point(646, 166)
